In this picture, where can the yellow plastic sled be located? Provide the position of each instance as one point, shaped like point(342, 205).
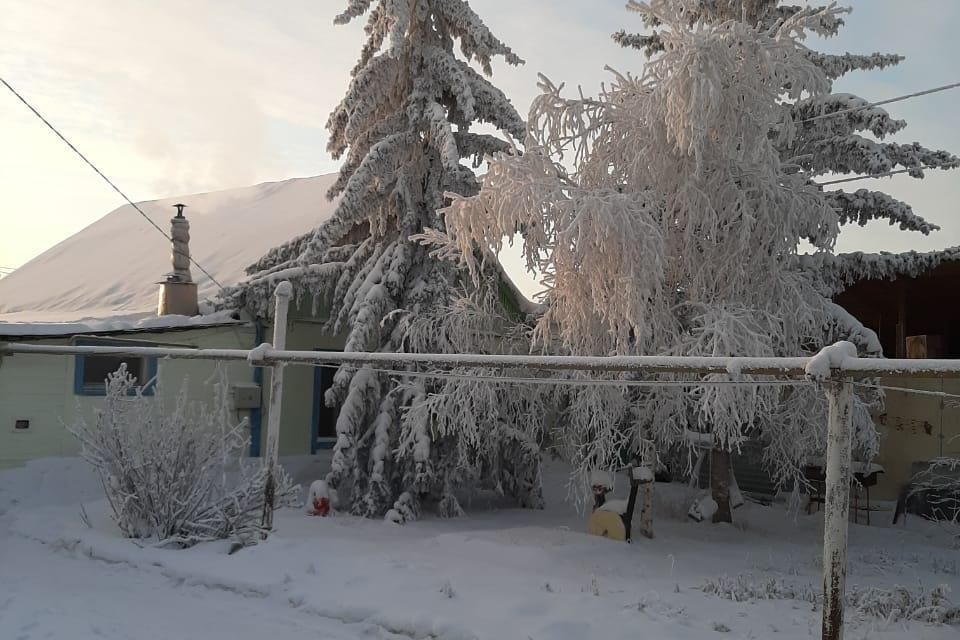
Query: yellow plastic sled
point(607, 524)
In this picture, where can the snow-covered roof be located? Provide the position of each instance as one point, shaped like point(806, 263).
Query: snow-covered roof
point(106, 275)
point(842, 270)
point(10, 327)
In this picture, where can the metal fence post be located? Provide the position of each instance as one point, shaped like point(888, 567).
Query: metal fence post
point(283, 294)
point(836, 504)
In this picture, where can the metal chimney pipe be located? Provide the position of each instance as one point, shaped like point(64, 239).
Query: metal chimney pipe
point(178, 293)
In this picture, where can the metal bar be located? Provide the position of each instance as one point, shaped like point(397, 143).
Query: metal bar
point(836, 508)
point(283, 294)
point(792, 367)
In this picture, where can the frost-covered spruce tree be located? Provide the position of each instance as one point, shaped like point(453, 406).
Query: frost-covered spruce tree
point(403, 129)
point(851, 142)
point(667, 224)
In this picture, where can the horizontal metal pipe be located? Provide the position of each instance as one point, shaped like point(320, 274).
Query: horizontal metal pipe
point(265, 356)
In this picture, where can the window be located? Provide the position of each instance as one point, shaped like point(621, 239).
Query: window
point(91, 371)
point(324, 418)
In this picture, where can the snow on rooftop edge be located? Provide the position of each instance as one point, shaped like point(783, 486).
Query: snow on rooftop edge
point(131, 323)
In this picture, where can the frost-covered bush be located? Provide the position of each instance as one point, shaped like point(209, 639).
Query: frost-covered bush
point(172, 473)
point(900, 603)
point(891, 604)
point(937, 487)
point(743, 589)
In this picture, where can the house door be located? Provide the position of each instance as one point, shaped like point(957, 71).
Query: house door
point(324, 417)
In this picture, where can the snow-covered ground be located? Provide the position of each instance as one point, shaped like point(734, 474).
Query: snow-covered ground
point(493, 574)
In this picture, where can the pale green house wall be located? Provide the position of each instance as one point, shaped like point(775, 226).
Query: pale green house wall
point(304, 333)
point(41, 388)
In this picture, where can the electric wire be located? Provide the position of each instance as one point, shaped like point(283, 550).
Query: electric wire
point(102, 175)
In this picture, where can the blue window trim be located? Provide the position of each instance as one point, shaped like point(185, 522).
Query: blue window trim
point(315, 445)
point(100, 390)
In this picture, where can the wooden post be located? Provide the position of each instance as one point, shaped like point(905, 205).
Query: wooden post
point(283, 294)
point(836, 505)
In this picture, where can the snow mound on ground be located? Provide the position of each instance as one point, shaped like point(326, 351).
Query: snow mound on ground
point(48, 482)
point(113, 266)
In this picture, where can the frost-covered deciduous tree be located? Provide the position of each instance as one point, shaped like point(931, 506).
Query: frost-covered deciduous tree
point(403, 130)
point(171, 473)
point(832, 132)
point(666, 223)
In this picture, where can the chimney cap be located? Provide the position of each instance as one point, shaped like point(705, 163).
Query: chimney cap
point(179, 207)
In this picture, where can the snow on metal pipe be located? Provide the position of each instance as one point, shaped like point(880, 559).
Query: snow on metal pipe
point(282, 294)
point(267, 355)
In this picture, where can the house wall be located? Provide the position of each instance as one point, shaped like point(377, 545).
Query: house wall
point(40, 388)
point(914, 428)
point(304, 333)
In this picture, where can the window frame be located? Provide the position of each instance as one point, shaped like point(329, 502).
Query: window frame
point(100, 390)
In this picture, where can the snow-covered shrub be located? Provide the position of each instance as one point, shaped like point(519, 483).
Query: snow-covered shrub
point(169, 473)
point(743, 588)
point(891, 604)
point(900, 603)
point(938, 488)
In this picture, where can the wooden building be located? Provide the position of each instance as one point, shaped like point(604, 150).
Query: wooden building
point(915, 315)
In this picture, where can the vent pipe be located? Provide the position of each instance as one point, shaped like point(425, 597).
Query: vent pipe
point(178, 293)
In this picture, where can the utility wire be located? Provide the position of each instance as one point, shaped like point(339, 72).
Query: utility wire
point(908, 96)
point(919, 392)
point(575, 382)
point(877, 175)
point(945, 87)
point(604, 382)
point(102, 175)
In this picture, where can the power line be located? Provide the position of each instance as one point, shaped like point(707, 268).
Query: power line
point(945, 87)
point(102, 175)
point(878, 175)
point(919, 392)
point(573, 382)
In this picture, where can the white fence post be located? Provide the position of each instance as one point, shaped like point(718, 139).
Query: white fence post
point(836, 504)
point(283, 294)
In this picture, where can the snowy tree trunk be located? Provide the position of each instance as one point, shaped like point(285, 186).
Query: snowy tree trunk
point(720, 483)
point(836, 507)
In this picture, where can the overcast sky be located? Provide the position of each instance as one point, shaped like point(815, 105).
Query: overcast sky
point(182, 96)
